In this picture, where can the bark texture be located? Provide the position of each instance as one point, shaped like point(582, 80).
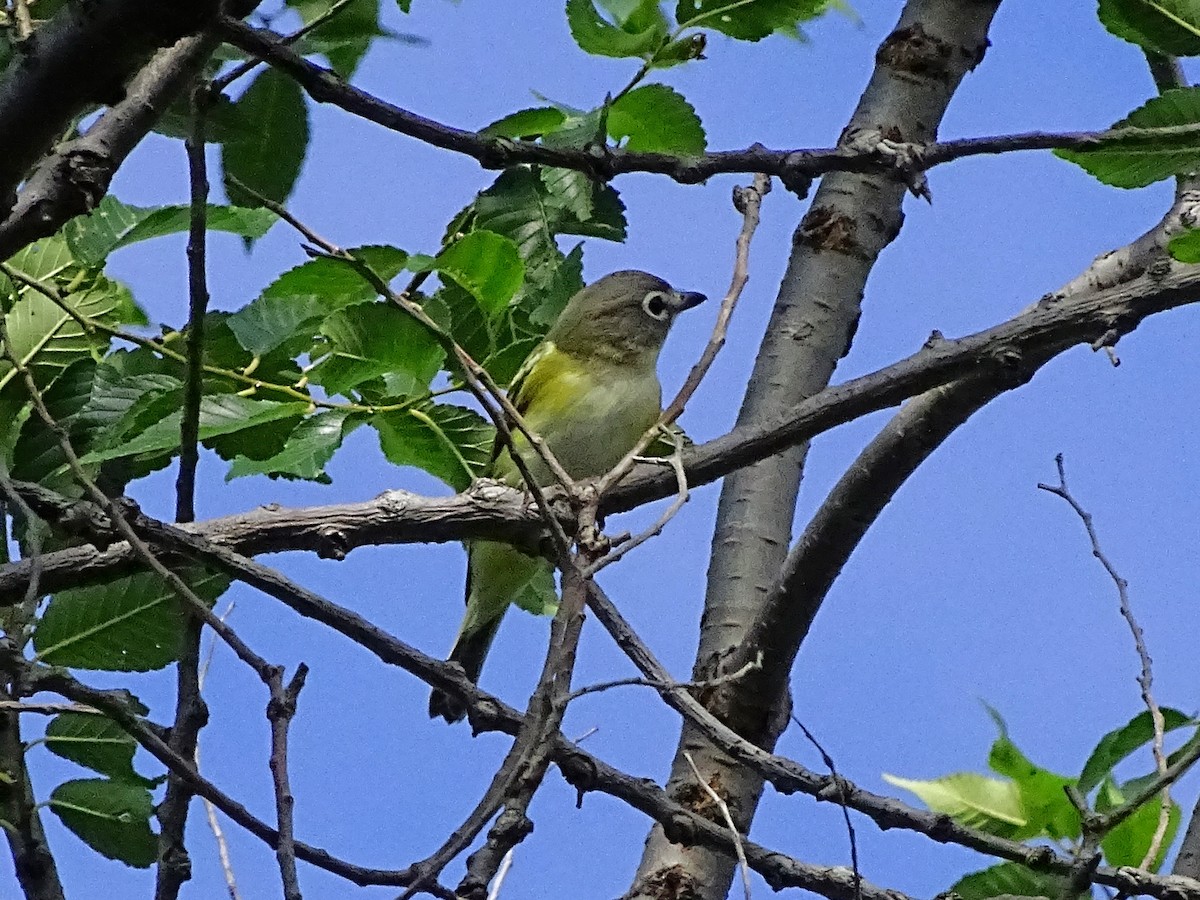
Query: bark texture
point(853, 217)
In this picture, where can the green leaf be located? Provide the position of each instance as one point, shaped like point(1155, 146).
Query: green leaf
point(111, 817)
point(373, 339)
point(268, 158)
point(309, 447)
point(38, 452)
point(47, 338)
point(1138, 160)
point(449, 442)
point(553, 285)
point(221, 414)
point(486, 264)
point(656, 119)
point(132, 624)
point(1043, 799)
point(1167, 27)
point(113, 224)
point(974, 800)
point(599, 37)
point(94, 741)
point(222, 122)
point(1007, 878)
point(526, 123)
point(1185, 247)
point(1129, 842)
point(1120, 742)
point(748, 20)
point(294, 304)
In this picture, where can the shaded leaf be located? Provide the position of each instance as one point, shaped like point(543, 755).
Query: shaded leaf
point(371, 339)
point(268, 158)
point(595, 35)
point(1008, 878)
point(1129, 842)
point(308, 448)
point(748, 20)
point(1168, 27)
point(96, 742)
point(111, 817)
point(539, 596)
point(132, 624)
point(656, 119)
point(449, 442)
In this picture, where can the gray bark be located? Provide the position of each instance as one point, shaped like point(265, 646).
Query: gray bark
point(852, 218)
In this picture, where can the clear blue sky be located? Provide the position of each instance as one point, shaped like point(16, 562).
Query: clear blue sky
point(973, 585)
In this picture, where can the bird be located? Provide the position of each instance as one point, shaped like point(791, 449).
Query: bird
point(590, 390)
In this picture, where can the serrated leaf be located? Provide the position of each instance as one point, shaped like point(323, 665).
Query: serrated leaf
point(93, 741)
point(113, 224)
point(268, 158)
point(111, 817)
point(132, 624)
point(552, 285)
point(1167, 27)
point(294, 304)
point(1128, 843)
point(38, 451)
point(569, 189)
point(595, 35)
point(221, 414)
point(1120, 742)
point(1138, 160)
point(371, 339)
point(526, 123)
point(308, 448)
point(449, 442)
point(607, 220)
point(486, 264)
point(656, 119)
point(1008, 878)
point(975, 800)
point(748, 20)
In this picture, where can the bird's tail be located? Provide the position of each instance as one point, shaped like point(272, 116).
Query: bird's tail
point(470, 650)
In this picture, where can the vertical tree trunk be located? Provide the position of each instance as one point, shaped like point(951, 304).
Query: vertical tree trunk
point(852, 218)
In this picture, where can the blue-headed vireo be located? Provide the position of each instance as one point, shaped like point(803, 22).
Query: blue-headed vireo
point(590, 390)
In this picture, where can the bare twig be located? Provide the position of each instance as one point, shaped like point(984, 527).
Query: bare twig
point(190, 710)
point(724, 807)
point(280, 712)
point(791, 166)
point(498, 881)
point(1145, 677)
point(664, 686)
point(828, 760)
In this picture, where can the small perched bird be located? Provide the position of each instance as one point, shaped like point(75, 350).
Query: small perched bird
point(590, 390)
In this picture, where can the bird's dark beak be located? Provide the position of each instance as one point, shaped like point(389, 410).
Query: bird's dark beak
point(688, 299)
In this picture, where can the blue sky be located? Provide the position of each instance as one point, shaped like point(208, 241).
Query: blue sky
point(973, 585)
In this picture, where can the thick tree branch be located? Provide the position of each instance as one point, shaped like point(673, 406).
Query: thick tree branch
point(1103, 309)
point(79, 58)
point(794, 167)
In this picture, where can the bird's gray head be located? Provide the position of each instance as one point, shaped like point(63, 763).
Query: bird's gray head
point(625, 314)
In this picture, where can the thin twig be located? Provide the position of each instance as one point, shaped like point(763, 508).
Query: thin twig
point(243, 68)
point(210, 811)
point(724, 807)
point(1145, 676)
point(675, 460)
point(828, 760)
point(501, 874)
point(665, 685)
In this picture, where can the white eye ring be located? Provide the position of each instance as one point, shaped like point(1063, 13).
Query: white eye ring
point(655, 305)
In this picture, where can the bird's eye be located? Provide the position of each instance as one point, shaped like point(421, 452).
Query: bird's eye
point(655, 305)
